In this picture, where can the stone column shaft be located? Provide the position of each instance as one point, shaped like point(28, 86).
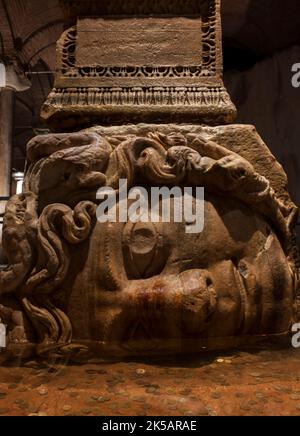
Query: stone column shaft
point(6, 126)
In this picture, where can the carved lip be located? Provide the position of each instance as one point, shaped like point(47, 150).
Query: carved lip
point(139, 337)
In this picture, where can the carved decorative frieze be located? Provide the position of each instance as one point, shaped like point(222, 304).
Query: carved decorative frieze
point(143, 62)
point(78, 283)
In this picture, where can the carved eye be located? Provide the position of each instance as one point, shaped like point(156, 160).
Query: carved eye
point(145, 249)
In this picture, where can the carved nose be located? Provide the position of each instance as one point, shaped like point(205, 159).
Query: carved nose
point(199, 300)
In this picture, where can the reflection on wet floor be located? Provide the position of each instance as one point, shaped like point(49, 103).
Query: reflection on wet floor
point(261, 381)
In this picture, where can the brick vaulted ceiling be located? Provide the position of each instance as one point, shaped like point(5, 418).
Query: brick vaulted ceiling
point(29, 29)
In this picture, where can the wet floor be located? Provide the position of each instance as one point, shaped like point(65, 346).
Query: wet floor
point(263, 381)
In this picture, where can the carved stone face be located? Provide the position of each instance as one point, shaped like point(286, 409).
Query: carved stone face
point(157, 286)
point(128, 288)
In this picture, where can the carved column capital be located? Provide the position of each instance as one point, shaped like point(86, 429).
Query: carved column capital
point(12, 77)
